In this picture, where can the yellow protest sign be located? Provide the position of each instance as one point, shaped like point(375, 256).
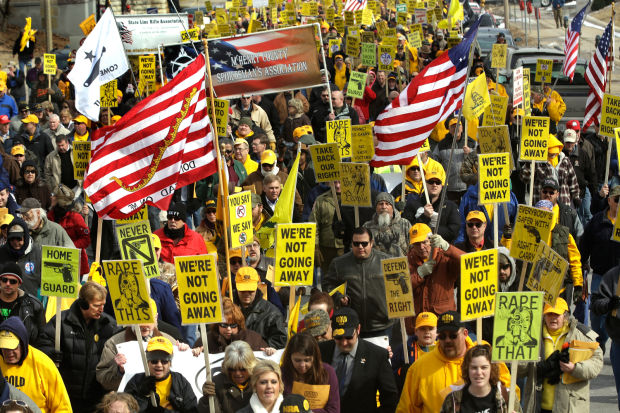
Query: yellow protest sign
point(309, 9)
point(363, 147)
point(88, 25)
point(494, 178)
point(495, 139)
point(107, 93)
point(199, 18)
point(355, 184)
point(495, 114)
point(526, 91)
point(544, 67)
point(349, 18)
point(610, 115)
point(199, 293)
point(220, 16)
point(339, 131)
point(141, 214)
point(615, 235)
point(358, 16)
point(478, 284)
point(333, 46)
point(240, 211)
point(295, 254)
point(416, 27)
point(357, 84)
point(386, 58)
point(130, 298)
point(367, 17)
point(49, 63)
point(414, 39)
point(192, 35)
point(425, 146)
point(398, 295)
point(326, 161)
point(531, 226)
point(369, 54)
point(208, 6)
point(499, 54)
point(81, 157)
point(339, 24)
point(221, 114)
point(517, 326)
point(136, 243)
point(254, 26)
point(476, 98)
point(548, 273)
point(534, 138)
point(60, 271)
point(430, 17)
point(401, 18)
point(617, 137)
point(329, 15)
point(353, 46)
point(147, 68)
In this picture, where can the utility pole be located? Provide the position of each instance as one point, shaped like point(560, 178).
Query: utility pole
point(48, 24)
point(506, 13)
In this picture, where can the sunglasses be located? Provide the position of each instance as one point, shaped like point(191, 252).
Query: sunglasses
point(228, 152)
point(226, 325)
point(434, 182)
point(548, 192)
point(17, 402)
point(505, 266)
point(19, 155)
point(451, 336)
point(343, 338)
point(11, 281)
point(474, 224)
point(414, 168)
point(158, 361)
point(236, 261)
point(363, 244)
point(174, 218)
point(211, 211)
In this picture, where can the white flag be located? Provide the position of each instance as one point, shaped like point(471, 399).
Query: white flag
point(100, 59)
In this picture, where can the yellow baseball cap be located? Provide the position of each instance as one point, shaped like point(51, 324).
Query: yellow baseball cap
point(560, 307)
point(159, 343)
point(268, 157)
point(247, 279)
point(18, 150)
point(241, 141)
point(302, 130)
point(80, 119)
point(479, 215)
point(6, 218)
point(115, 119)
point(426, 319)
point(31, 119)
point(156, 241)
point(434, 174)
point(8, 340)
point(418, 233)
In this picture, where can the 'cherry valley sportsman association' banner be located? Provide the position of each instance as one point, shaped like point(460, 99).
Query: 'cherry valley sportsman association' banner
point(264, 62)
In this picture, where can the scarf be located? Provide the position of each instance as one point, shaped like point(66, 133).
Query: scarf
point(174, 234)
point(257, 406)
point(59, 213)
point(274, 171)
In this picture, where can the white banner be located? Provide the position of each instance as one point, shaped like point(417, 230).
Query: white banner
point(142, 33)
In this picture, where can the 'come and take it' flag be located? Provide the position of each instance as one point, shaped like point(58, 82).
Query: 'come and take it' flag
point(476, 98)
point(100, 59)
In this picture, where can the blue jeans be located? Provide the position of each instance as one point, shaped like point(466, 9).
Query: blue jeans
point(597, 322)
point(584, 210)
point(614, 355)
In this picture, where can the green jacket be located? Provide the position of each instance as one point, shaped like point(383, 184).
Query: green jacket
point(323, 213)
point(205, 188)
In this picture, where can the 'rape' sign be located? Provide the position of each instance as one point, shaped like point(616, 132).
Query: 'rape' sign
point(326, 161)
point(494, 178)
point(199, 294)
point(398, 295)
point(295, 254)
point(478, 284)
point(534, 138)
point(517, 326)
point(128, 292)
point(339, 131)
point(531, 226)
point(60, 271)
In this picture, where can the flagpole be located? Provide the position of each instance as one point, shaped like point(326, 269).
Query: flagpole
point(133, 76)
point(190, 40)
point(219, 168)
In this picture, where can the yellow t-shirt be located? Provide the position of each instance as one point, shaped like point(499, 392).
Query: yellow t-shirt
point(82, 138)
point(163, 391)
point(250, 165)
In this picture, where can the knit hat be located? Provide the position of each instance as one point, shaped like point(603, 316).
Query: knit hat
point(177, 211)
point(246, 120)
point(256, 200)
point(385, 197)
point(64, 195)
point(12, 269)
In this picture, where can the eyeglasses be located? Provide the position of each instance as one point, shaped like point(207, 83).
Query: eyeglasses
point(362, 244)
point(11, 281)
point(452, 336)
point(30, 171)
point(474, 224)
point(158, 361)
point(548, 191)
point(433, 182)
point(226, 325)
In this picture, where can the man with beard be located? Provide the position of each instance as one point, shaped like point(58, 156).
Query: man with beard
point(389, 230)
point(177, 239)
point(43, 231)
point(21, 249)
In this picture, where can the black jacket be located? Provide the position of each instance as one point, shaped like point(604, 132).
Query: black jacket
point(81, 346)
point(371, 372)
point(265, 318)
point(597, 246)
point(228, 397)
point(450, 223)
point(600, 302)
point(30, 310)
point(585, 170)
point(181, 395)
point(40, 144)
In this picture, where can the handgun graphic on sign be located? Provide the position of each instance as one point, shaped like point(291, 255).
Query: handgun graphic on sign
point(138, 248)
point(60, 268)
point(399, 279)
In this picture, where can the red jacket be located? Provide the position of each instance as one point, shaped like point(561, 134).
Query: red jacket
point(73, 223)
point(435, 292)
point(191, 244)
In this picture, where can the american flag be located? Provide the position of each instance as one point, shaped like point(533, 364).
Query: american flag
point(352, 5)
point(571, 44)
point(430, 98)
point(125, 33)
point(163, 143)
point(596, 76)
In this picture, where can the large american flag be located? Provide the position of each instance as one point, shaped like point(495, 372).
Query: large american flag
point(596, 76)
point(430, 98)
point(163, 143)
point(353, 5)
point(571, 44)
